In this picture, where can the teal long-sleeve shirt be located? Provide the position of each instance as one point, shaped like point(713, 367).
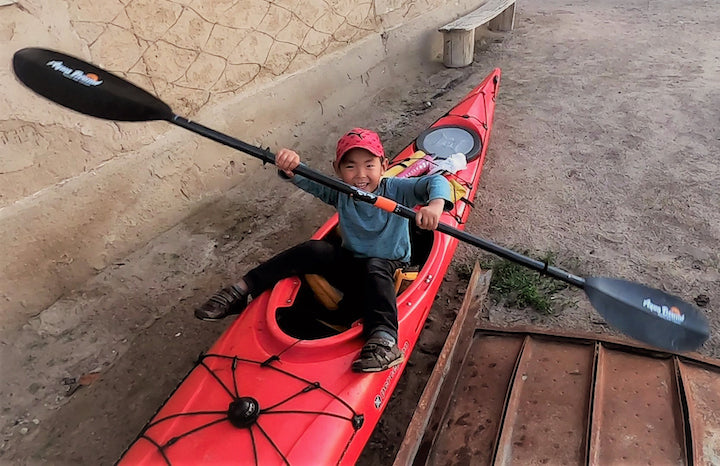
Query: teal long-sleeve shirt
point(371, 232)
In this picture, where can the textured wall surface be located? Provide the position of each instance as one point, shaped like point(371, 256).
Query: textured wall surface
point(190, 53)
point(77, 192)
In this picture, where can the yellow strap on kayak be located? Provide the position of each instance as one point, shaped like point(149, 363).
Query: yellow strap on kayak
point(458, 191)
point(401, 166)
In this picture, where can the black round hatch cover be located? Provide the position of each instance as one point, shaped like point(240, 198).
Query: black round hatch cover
point(443, 141)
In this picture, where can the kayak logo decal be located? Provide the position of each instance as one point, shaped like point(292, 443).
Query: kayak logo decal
point(383, 391)
point(86, 79)
point(671, 314)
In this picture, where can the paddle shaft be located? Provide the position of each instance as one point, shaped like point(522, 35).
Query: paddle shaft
point(540, 266)
point(268, 157)
point(380, 202)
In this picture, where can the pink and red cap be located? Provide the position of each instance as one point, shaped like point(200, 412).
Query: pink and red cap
point(360, 138)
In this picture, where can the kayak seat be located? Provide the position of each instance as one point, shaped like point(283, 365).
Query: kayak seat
point(330, 297)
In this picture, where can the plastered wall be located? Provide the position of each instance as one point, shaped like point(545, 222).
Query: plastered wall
point(78, 192)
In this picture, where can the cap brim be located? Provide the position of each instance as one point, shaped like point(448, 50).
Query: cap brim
point(358, 146)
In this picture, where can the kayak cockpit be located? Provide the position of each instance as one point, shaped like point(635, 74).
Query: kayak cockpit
point(310, 317)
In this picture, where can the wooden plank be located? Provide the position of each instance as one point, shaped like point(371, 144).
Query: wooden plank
point(505, 21)
point(451, 356)
point(480, 16)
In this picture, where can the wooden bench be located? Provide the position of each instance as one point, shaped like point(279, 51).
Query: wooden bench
point(459, 36)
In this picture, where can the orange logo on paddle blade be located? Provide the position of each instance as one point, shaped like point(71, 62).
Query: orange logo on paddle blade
point(89, 79)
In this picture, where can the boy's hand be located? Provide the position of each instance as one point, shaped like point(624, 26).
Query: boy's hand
point(287, 160)
point(428, 217)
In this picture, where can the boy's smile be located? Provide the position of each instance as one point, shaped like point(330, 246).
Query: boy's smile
point(361, 169)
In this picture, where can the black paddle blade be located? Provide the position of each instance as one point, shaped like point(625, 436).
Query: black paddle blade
point(647, 314)
point(85, 88)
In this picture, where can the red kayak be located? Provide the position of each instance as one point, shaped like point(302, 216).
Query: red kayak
point(277, 387)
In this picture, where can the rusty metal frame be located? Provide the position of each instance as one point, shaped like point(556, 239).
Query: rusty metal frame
point(561, 397)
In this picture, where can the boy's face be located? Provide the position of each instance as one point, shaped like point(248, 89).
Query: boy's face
point(361, 169)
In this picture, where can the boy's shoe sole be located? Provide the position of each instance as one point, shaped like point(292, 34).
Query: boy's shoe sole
point(392, 364)
point(228, 301)
point(215, 319)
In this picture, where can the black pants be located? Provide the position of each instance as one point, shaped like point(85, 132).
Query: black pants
point(367, 283)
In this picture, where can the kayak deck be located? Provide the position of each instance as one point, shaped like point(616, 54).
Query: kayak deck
point(526, 396)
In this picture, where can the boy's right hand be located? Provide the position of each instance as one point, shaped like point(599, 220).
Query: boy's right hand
point(287, 160)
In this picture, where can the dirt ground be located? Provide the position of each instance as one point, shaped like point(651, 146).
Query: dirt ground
point(603, 152)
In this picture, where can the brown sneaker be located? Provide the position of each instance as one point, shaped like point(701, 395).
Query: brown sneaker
point(229, 300)
point(378, 354)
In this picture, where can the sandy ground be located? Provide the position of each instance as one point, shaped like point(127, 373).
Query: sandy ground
point(603, 152)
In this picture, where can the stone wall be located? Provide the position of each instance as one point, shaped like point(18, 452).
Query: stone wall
point(76, 192)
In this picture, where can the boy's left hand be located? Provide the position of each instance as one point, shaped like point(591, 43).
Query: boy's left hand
point(428, 217)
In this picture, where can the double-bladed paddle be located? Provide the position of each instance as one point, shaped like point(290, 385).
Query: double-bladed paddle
point(646, 314)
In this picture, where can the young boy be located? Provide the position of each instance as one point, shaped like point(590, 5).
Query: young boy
point(374, 244)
